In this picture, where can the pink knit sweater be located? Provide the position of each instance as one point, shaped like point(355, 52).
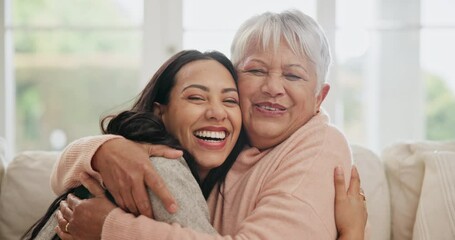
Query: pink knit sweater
point(282, 193)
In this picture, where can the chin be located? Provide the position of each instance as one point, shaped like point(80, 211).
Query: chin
point(268, 131)
point(211, 162)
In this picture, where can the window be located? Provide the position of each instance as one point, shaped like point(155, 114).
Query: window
point(67, 63)
point(437, 38)
point(392, 79)
point(71, 63)
point(211, 25)
point(395, 71)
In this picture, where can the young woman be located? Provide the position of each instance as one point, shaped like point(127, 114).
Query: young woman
point(192, 104)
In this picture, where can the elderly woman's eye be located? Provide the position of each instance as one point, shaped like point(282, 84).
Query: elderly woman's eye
point(292, 77)
point(258, 72)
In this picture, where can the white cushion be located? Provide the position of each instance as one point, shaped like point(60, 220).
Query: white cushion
point(405, 169)
point(375, 186)
point(26, 192)
point(435, 218)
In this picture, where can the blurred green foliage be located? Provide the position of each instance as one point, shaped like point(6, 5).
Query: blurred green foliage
point(440, 109)
point(70, 71)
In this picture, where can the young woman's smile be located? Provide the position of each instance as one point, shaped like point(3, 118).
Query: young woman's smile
point(203, 112)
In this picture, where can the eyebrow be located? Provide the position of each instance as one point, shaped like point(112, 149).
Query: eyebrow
point(298, 66)
point(288, 65)
point(206, 89)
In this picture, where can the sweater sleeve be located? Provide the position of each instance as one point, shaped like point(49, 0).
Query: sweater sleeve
point(193, 210)
point(75, 159)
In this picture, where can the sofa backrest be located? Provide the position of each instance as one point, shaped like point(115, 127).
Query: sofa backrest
point(375, 186)
point(25, 192)
point(2, 160)
point(422, 189)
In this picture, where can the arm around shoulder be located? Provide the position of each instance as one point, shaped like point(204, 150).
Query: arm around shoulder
point(74, 159)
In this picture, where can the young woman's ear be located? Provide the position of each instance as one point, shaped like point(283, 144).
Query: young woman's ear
point(158, 109)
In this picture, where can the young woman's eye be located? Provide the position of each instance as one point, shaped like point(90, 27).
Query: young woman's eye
point(231, 101)
point(195, 98)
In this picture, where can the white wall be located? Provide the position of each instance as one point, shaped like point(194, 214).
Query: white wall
point(394, 88)
point(163, 34)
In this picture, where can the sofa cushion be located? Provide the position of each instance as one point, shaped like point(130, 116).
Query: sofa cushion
point(375, 186)
point(405, 168)
point(435, 217)
point(26, 192)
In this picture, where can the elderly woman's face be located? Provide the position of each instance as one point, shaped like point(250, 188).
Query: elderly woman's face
point(277, 95)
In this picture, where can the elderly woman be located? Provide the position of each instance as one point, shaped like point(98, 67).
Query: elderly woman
point(279, 188)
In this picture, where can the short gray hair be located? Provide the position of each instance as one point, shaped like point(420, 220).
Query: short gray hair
point(302, 33)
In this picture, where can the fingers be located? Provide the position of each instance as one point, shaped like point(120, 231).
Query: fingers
point(340, 188)
point(61, 220)
point(123, 195)
point(354, 185)
point(92, 185)
point(163, 151)
point(130, 204)
point(157, 186)
point(141, 198)
point(66, 207)
point(65, 211)
point(118, 198)
point(63, 235)
point(62, 228)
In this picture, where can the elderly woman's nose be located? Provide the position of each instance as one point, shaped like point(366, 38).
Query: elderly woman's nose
point(216, 112)
point(273, 85)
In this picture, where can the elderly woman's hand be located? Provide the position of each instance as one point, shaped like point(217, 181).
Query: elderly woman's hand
point(126, 170)
point(84, 219)
point(350, 206)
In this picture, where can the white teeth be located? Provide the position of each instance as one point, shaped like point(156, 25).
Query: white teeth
point(211, 134)
point(270, 108)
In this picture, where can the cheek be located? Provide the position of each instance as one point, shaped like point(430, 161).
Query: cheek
point(246, 91)
point(307, 104)
point(176, 119)
point(238, 119)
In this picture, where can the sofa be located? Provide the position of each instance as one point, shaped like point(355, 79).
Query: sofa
point(410, 190)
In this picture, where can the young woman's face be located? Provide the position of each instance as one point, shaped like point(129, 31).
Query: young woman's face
point(203, 112)
point(278, 94)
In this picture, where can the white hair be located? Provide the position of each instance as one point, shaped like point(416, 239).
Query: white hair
point(302, 33)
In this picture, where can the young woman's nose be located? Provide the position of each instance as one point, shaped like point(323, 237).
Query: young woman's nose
point(216, 111)
point(273, 85)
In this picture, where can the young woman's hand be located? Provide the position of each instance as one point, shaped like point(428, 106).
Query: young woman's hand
point(126, 170)
point(74, 213)
point(350, 206)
